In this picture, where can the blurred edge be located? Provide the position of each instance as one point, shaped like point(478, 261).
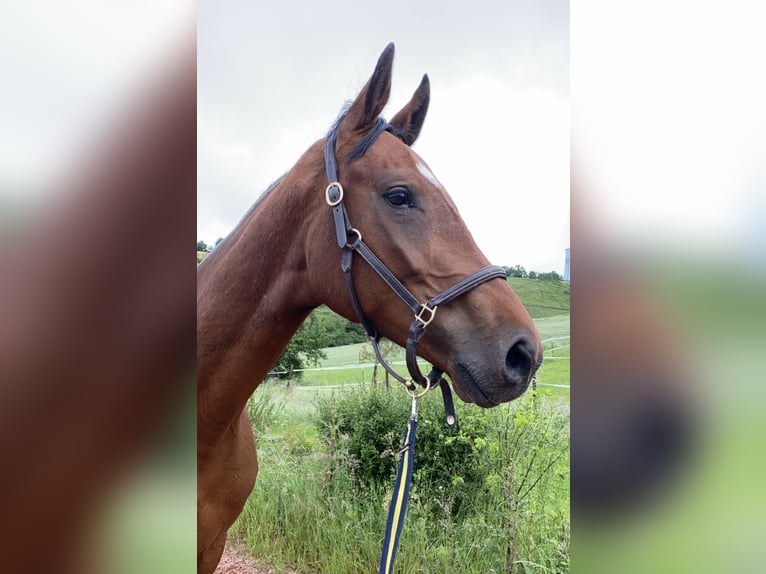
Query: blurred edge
point(669, 285)
point(97, 289)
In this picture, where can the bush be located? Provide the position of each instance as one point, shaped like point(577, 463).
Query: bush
point(364, 428)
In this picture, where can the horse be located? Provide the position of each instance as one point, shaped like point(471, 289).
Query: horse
point(281, 261)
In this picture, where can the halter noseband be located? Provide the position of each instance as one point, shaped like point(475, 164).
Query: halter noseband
point(350, 241)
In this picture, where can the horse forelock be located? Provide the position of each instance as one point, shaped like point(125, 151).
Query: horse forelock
point(368, 138)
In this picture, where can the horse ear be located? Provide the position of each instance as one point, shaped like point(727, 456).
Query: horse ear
point(410, 118)
point(373, 97)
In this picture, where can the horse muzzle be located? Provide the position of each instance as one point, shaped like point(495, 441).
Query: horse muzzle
point(488, 383)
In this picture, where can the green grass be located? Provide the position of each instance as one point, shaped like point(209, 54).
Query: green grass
point(306, 514)
point(555, 371)
point(552, 326)
point(554, 332)
point(352, 356)
point(542, 298)
point(343, 355)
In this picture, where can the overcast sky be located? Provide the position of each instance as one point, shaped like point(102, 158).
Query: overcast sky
point(273, 76)
point(67, 68)
point(668, 128)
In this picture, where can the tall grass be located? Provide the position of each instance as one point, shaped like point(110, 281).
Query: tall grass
point(310, 512)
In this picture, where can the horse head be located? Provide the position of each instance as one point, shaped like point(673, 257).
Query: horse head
point(485, 339)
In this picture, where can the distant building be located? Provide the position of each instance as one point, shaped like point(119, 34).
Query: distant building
point(566, 265)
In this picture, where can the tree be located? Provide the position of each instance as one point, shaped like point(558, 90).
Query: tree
point(304, 348)
point(217, 241)
point(201, 245)
point(515, 271)
point(335, 330)
point(532, 275)
point(387, 349)
point(550, 276)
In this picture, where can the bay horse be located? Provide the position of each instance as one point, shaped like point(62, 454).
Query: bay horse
point(281, 261)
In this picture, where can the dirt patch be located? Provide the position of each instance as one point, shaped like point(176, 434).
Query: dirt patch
point(237, 560)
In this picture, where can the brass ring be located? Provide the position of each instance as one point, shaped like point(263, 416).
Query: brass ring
point(358, 233)
point(415, 395)
point(337, 185)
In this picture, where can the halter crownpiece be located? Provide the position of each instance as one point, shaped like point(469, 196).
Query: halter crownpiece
point(350, 241)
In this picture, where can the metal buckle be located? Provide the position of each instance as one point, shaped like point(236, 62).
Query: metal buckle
point(419, 316)
point(413, 393)
point(329, 188)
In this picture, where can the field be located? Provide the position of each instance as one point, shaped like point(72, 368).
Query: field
point(493, 493)
point(352, 363)
point(542, 298)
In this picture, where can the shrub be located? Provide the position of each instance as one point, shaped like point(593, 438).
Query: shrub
point(364, 428)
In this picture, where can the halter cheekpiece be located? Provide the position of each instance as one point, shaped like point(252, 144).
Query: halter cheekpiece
point(350, 241)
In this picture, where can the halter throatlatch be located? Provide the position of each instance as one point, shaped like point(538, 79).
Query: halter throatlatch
point(350, 241)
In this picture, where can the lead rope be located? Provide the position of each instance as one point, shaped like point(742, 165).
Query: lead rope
point(401, 494)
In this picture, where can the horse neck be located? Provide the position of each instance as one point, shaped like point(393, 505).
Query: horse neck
point(252, 296)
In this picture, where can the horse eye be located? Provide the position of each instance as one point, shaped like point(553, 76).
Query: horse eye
point(399, 197)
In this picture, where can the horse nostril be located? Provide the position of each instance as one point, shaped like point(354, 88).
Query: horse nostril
point(520, 360)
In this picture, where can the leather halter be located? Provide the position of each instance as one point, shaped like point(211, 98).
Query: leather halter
point(350, 241)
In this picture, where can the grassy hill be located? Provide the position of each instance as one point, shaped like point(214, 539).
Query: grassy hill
point(542, 298)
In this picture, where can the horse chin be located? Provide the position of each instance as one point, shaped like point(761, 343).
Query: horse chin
point(483, 388)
